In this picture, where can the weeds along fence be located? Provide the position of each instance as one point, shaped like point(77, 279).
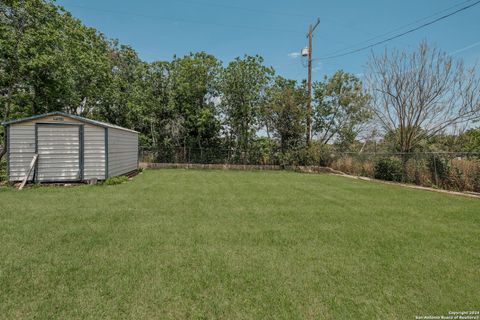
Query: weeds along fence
point(458, 171)
point(445, 170)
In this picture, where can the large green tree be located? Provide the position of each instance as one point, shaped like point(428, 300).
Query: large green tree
point(193, 92)
point(340, 109)
point(49, 60)
point(26, 41)
point(161, 126)
point(180, 108)
point(125, 94)
point(283, 113)
point(243, 86)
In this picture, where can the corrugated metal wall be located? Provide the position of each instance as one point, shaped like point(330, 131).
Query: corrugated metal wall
point(122, 152)
point(21, 150)
point(59, 152)
point(94, 152)
point(22, 147)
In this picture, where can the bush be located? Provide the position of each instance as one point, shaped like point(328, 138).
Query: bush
point(3, 170)
point(290, 158)
point(439, 168)
point(298, 156)
point(475, 178)
point(115, 180)
point(389, 169)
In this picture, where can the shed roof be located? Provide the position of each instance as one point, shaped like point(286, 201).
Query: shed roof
point(63, 114)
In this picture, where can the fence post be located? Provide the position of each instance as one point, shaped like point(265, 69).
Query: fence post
point(417, 175)
point(435, 168)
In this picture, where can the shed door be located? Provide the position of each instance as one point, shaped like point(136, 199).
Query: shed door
point(59, 153)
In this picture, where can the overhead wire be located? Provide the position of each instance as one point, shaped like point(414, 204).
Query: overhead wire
point(470, 46)
point(243, 27)
point(401, 27)
point(262, 11)
point(332, 56)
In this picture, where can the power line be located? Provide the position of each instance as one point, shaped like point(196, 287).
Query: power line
point(400, 28)
point(399, 35)
point(262, 11)
point(243, 27)
point(470, 46)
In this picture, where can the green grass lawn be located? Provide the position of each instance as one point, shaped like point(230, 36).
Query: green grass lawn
point(237, 245)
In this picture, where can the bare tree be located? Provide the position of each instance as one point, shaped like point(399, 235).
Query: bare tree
point(420, 94)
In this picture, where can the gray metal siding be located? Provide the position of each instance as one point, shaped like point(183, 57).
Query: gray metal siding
point(7, 128)
point(59, 153)
point(122, 152)
point(21, 150)
point(94, 153)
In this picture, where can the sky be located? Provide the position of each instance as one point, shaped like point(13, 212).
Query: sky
point(276, 29)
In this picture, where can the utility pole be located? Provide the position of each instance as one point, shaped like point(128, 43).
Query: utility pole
point(311, 29)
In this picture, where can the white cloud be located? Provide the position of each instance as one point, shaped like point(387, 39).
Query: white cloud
point(294, 54)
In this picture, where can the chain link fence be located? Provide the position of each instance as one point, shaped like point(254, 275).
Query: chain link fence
point(209, 156)
point(458, 171)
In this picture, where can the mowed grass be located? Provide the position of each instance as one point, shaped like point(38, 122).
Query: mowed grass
point(180, 244)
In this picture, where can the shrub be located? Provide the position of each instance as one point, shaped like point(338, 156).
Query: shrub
point(439, 168)
point(463, 174)
point(3, 170)
point(475, 178)
point(389, 169)
point(115, 180)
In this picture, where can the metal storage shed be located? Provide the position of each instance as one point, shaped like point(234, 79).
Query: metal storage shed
point(70, 148)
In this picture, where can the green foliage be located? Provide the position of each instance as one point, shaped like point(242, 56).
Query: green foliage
point(393, 141)
point(50, 61)
point(438, 167)
point(283, 113)
point(471, 140)
point(243, 84)
point(193, 92)
point(292, 157)
point(475, 177)
point(341, 109)
point(3, 170)
point(262, 151)
point(389, 169)
point(115, 180)
point(468, 141)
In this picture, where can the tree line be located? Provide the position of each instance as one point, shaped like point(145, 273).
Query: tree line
point(50, 61)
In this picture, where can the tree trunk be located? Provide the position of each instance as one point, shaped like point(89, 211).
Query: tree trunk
point(201, 150)
point(405, 157)
point(6, 115)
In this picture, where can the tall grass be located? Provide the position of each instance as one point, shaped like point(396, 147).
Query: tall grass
point(451, 173)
